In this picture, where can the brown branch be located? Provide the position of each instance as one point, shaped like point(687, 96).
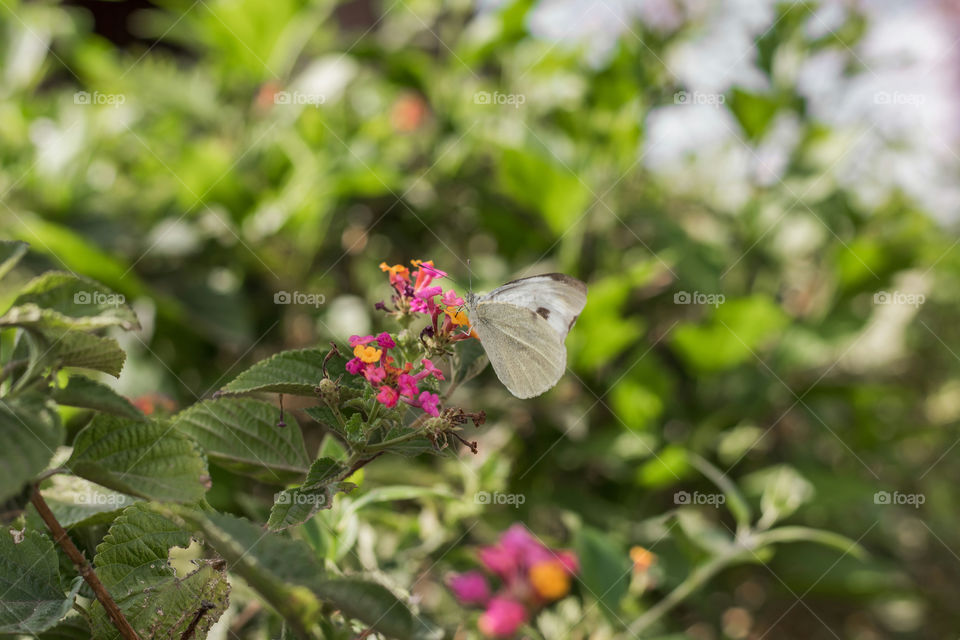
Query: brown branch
point(85, 568)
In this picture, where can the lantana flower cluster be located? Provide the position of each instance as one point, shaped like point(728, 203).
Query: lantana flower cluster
point(415, 294)
point(530, 576)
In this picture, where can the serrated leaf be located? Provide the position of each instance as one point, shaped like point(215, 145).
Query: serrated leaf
point(30, 432)
point(78, 502)
point(10, 254)
point(73, 627)
point(86, 393)
point(31, 598)
point(242, 435)
point(295, 506)
point(57, 299)
point(278, 566)
point(132, 561)
point(295, 372)
point(147, 459)
point(72, 348)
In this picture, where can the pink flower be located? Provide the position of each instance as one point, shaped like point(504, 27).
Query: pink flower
point(375, 375)
point(569, 561)
point(429, 369)
point(355, 366)
point(428, 292)
point(385, 341)
point(501, 561)
point(408, 385)
point(451, 299)
point(388, 396)
point(355, 340)
point(470, 587)
point(432, 271)
point(502, 618)
point(430, 402)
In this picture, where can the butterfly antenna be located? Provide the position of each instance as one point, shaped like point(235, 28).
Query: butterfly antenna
point(469, 276)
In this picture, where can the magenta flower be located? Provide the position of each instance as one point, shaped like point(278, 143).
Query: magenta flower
point(428, 293)
point(429, 369)
point(407, 385)
point(388, 396)
point(432, 271)
point(430, 403)
point(502, 618)
point(470, 587)
point(451, 299)
point(355, 340)
point(385, 341)
point(355, 366)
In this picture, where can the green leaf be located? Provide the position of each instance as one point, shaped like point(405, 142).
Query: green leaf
point(736, 331)
point(78, 502)
point(545, 185)
point(296, 372)
point(604, 568)
point(782, 491)
point(30, 432)
point(133, 563)
point(470, 360)
point(31, 597)
point(58, 299)
point(86, 393)
point(242, 435)
point(286, 573)
point(295, 506)
point(71, 348)
point(10, 254)
point(147, 459)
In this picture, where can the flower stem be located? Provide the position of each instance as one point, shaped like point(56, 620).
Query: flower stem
point(85, 568)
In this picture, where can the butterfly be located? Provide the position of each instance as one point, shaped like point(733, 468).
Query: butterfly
point(522, 326)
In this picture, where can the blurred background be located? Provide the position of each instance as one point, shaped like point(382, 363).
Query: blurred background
point(762, 196)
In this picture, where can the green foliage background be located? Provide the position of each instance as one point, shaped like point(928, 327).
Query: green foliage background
point(199, 198)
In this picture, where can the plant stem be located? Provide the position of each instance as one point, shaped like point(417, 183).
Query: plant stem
point(699, 577)
point(85, 568)
point(411, 435)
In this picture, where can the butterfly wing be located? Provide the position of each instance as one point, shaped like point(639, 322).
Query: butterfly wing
point(526, 352)
point(555, 297)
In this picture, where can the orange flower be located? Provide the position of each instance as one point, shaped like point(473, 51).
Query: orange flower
point(550, 579)
point(397, 272)
point(642, 559)
point(367, 354)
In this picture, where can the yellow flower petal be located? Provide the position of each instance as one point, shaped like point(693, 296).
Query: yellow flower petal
point(367, 354)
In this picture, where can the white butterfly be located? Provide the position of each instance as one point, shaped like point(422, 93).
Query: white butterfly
point(522, 326)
